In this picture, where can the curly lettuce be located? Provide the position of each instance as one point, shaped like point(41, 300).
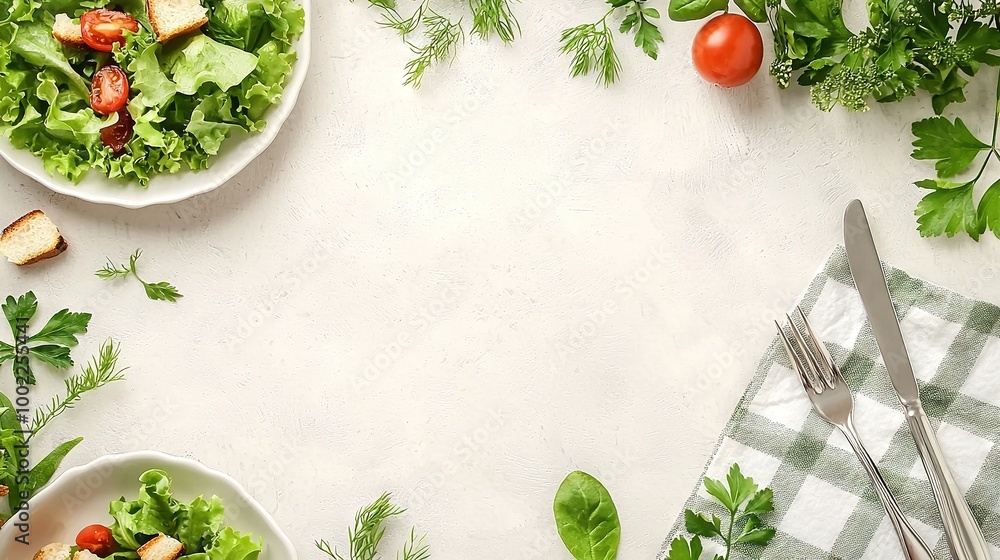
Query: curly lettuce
point(187, 98)
point(199, 525)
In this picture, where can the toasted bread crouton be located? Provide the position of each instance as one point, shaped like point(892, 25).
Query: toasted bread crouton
point(33, 237)
point(86, 555)
point(161, 548)
point(67, 32)
point(4, 490)
point(173, 18)
point(54, 551)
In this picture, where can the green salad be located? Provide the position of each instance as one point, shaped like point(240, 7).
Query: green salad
point(119, 94)
point(199, 526)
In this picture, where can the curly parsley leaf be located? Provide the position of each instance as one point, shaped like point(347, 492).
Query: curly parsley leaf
point(682, 549)
point(63, 328)
point(744, 503)
point(952, 144)
point(162, 291)
point(947, 210)
point(592, 45)
point(51, 344)
point(989, 209)
point(647, 34)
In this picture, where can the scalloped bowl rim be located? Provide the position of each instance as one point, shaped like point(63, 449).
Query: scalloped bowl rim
point(171, 464)
point(236, 154)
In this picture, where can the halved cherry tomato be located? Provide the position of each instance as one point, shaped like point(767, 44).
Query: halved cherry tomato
point(109, 90)
point(117, 135)
point(102, 28)
point(728, 50)
point(97, 539)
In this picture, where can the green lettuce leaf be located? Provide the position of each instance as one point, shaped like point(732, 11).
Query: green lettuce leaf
point(203, 60)
point(35, 43)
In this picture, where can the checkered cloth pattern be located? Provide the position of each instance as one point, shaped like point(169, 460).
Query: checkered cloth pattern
point(825, 506)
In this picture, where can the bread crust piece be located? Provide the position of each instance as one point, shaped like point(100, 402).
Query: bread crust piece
point(59, 247)
point(74, 40)
point(162, 36)
point(53, 551)
point(175, 552)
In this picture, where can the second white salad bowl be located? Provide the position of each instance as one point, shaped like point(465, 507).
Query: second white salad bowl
point(81, 496)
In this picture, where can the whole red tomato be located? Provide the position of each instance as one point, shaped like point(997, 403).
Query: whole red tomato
point(728, 50)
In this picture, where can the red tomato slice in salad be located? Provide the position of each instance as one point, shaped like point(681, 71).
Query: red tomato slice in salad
point(102, 29)
point(118, 134)
point(98, 540)
point(109, 90)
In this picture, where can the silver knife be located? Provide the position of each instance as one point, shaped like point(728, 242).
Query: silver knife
point(965, 538)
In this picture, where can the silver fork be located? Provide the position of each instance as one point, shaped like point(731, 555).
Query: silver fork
point(832, 399)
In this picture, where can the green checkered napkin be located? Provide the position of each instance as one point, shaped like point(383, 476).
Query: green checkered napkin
point(825, 506)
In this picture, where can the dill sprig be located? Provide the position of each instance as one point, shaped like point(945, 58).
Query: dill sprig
point(593, 44)
point(593, 48)
point(443, 36)
point(102, 370)
point(369, 528)
point(163, 291)
point(494, 16)
point(415, 549)
point(392, 19)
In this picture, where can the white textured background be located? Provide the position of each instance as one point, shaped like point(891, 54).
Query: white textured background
point(482, 224)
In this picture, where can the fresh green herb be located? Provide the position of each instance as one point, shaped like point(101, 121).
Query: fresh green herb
point(909, 46)
point(51, 344)
point(592, 45)
point(442, 34)
point(199, 525)
point(369, 528)
point(744, 503)
point(159, 291)
point(102, 369)
point(442, 37)
point(586, 518)
point(16, 430)
point(494, 16)
point(688, 10)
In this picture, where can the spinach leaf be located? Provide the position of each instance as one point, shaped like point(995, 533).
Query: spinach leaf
point(687, 10)
point(586, 518)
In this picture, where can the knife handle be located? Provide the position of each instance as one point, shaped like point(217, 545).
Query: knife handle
point(965, 538)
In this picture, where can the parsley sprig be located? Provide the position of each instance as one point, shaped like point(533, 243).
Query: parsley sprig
point(51, 344)
point(369, 527)
point(592, 45)
point(744, 503)
point(909, 46)
point(163, 291)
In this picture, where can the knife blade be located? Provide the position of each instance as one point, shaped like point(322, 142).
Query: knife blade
point(965, 538)
point(869, 277)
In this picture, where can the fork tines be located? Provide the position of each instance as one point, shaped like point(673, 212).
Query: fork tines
point(817, 371)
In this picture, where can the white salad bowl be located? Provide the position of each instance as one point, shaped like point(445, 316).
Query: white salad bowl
point(236, 153)
point(81, 496)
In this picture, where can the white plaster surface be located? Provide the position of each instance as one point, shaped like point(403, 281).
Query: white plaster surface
point(541, 291)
